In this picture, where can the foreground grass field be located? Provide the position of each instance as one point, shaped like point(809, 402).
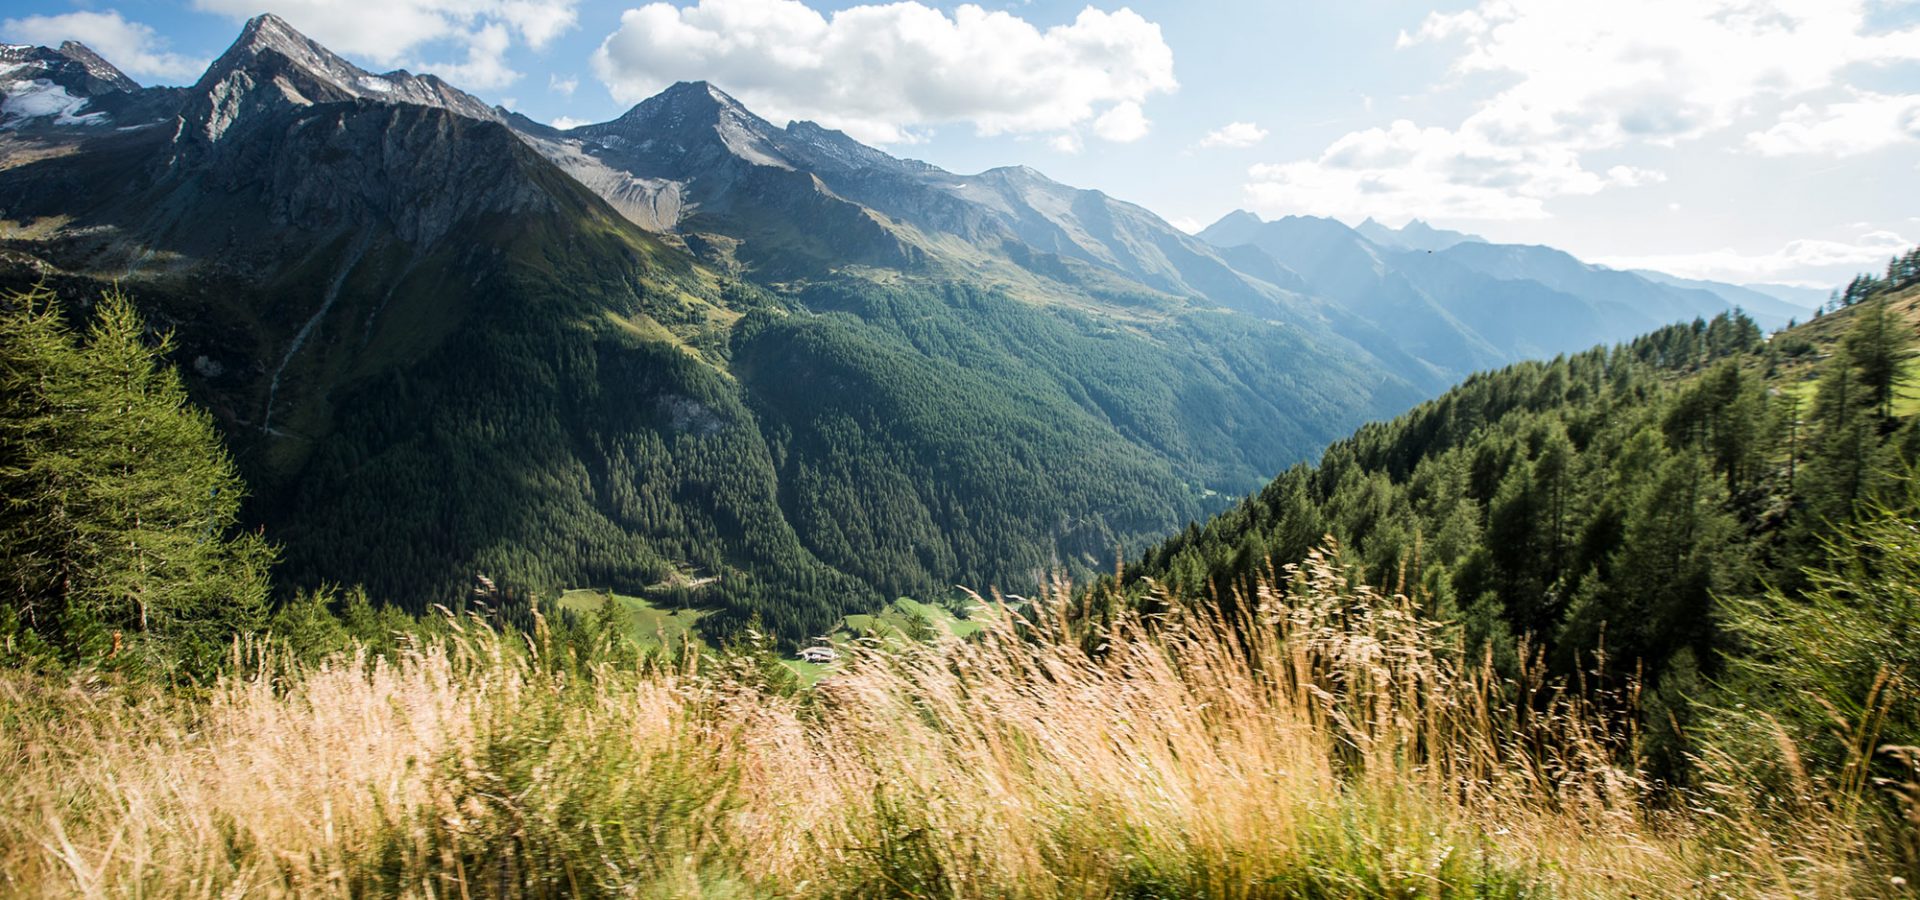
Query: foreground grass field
point(1329, 744)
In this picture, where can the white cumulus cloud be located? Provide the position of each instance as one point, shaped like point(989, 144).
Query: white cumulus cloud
point(1235, 135)
point(131, 46)
point(1565, 80)
point(1607, 73)
point(1123, 124)
point(485, 67)
point(415, 33)
point(881, 71)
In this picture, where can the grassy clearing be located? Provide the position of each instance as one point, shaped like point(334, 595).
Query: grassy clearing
point(1800, 376)
point(649, 626)
point(809, 673)
point(897, 619)
point(898, 624)
point(1330, 744)
point(1906, 396)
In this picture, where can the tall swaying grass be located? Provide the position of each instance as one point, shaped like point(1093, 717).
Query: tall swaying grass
point(1329, 743)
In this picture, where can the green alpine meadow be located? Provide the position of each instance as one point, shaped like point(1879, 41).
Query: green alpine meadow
point(543, 475)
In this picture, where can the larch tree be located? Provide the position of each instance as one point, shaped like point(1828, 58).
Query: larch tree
point(118, 503)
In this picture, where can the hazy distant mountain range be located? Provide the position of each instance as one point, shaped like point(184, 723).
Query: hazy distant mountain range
point(445, 339)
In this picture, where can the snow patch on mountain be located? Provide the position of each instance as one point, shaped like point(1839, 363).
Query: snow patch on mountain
point(40, 99)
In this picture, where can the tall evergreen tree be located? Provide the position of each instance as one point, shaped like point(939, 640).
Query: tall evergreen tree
point(117, 527)
point(1876, 347)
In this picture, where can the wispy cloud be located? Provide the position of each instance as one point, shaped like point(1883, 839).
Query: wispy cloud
point(1234, 135)
point(1868, 251)
point(1862, 124)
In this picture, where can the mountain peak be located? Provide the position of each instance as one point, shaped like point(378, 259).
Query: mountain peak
point(271, 65)
point(266, 33)
point(1020, 173)
point(97, 66)
point(703, 89)
point(1415, 235)
point(691, 115)
point(269, 28)
point(1234, 228)
point(74, 66)
point(696, 102)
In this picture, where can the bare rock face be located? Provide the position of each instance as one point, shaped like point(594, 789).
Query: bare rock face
point(418, 170)
point(326, 144)
point(688, 149)
point(686, 129)
point(694, 160)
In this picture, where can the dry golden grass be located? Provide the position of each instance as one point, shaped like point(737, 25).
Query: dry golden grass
point(1330, 744)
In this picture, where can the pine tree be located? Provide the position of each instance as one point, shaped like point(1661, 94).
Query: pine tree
point(117, 541)
point(1876, 348)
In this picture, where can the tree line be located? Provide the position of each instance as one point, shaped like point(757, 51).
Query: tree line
point(1903, 271)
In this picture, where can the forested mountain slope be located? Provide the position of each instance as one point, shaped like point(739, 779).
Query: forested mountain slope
point(1598, 507)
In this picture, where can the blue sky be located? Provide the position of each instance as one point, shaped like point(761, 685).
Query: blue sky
point(1748, 140)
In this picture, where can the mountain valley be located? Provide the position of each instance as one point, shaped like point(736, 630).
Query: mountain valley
point(401, 496)
point(688, 337)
